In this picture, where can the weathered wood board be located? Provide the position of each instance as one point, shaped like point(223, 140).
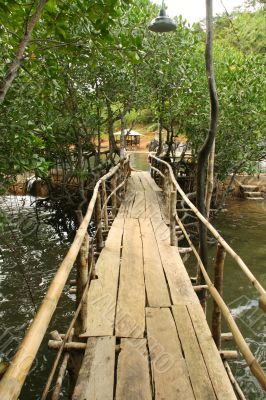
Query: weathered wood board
point(155, 282)
point(130, 312)
point(102, 295)
point(169, 369)
point(133, 378)
point(96, 376)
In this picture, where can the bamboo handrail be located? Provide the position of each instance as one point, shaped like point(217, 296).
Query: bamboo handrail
point(253, 364)
point(13, 379)
point(158, 171)
point(217, 236)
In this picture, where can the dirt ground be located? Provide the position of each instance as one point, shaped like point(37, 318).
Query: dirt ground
point(144, 140)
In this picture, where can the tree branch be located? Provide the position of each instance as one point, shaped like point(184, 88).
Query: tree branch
point(15, 65)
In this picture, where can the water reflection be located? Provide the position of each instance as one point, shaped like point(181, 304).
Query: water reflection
point(29, 258)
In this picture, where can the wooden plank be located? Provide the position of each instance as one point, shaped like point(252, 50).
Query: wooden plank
point(151, 182)
point(178, 280)
point(152, 206)
point(130, 202)
point(137, 182)
point(144, 181)
point(169, 370)
point(96, 376)
point(163, 206)
point(156, 286)
point(102, 294)
point(130, 314)
point(133, 379)
point(139, 206)
point(214, 364)
point(201, 383)
point(122, 209)
point(161, 230)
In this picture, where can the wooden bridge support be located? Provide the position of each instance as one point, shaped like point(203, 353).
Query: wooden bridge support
point(98, 223)
point(104, 201)
point(173, 238)
point(82, 278)
point(114, 197)
point(218, 284)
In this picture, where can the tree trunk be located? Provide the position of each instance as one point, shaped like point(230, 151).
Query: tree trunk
point(160, 146)
point(210, 180)
point(15, 65)
point(206, 149)
point(112, 144)
point(207, 146)
point(122, 138)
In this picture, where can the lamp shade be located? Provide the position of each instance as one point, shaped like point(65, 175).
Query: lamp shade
point(162, 23)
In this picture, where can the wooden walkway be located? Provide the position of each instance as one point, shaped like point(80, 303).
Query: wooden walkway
point(147, 336)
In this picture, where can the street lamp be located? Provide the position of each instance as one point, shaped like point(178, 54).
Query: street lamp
point(162, 23)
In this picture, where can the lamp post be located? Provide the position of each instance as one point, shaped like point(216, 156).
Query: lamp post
point(162, 23)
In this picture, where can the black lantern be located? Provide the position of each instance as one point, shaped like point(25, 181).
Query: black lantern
point(162, 23)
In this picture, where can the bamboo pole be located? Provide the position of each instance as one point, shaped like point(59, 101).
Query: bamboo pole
point(98, 223)
point(62, 370)
point(220, 239)
point(118, 181)
point(55, 336)
point(173, 238)
point(229, 354)
point(56, 344)
point(158, 171)
point(253, 364)
point(227, 336)
point(81, 280)
point(235, 385)
point(199, 288)
point(218, 284)
point(105, 213)
point(12, 381)
point(91, 261)
point(114, 196)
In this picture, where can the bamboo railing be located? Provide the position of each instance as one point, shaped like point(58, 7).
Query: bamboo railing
point(12, 381)
point(167, 181)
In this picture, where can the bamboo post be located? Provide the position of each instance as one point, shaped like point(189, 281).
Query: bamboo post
point(82, 277)
point(173, 238)
point(56, 344)
point(151, 161)
point(164, 181)
point(62, 371)
point(114, 198)
point(98, 223)
point(120, 190)
point(218, 284)
point(91, 260)
point(105, 213)
point(236, 386)
point(121, 179)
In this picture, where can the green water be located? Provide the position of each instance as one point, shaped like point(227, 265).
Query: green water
point(243, 226)
point(36, 254)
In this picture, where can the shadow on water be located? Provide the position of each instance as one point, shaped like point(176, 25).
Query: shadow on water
point(36, 254)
